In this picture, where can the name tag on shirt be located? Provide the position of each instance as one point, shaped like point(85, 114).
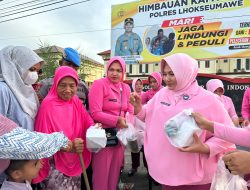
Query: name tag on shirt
point(165, 103)
point(112, 100)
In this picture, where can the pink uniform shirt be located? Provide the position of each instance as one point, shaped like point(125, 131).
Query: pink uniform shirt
point(167, 164)
point(245, 109)
point(105, 107)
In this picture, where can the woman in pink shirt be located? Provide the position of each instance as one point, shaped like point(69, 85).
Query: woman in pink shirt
point(245, 108)
point(155, 82)
point(181, 168)
point(62, 111)
point(109, 102)
point(216, 86)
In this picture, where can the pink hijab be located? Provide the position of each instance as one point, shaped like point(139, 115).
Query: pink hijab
point(213, 84)
point(158, 78)
point(185, 77)
point(133, 84)
point(122, 63)
point(148, 95)
point(71, 118)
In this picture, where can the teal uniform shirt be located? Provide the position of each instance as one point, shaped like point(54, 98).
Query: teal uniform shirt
point(128, 45)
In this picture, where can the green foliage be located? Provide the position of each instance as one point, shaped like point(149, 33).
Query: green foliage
point(51, 59)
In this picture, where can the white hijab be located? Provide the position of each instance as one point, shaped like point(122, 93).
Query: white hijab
point(14, 62)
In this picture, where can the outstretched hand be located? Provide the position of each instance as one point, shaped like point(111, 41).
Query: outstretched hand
point(203, 122)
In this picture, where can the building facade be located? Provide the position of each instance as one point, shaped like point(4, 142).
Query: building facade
point(228, 67)
point(89, 71)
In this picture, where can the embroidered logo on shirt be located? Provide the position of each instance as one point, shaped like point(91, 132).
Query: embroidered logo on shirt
point(113, 100)
point(185, 97)
point(165, 103)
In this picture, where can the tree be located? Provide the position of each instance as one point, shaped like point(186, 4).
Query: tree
point(51, 59)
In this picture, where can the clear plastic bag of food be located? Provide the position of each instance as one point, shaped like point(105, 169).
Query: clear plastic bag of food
point(180, 129)
point(96, 138)
point(224, 180)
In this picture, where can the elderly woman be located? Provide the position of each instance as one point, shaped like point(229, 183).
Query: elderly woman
point(189, 167)
point(109, 102)
point(216, 86)
point(62, 110)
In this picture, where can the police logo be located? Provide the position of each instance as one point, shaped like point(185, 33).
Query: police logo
point(185, 97)
point(121, 13)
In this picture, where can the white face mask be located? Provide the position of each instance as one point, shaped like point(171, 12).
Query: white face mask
point(30, 78)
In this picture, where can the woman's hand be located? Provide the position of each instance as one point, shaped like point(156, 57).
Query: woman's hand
point(203, 122)
point(121, 123)
point(78, 145)
point(196, 147)
point(68, 148)
point(135, 100)
point(238, 162)
point(245, 123)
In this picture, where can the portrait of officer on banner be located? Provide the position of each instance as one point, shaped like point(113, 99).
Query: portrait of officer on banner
point(128, 43)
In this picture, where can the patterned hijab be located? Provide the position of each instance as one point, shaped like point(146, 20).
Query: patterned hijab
point(18, 143)
point(14, 63)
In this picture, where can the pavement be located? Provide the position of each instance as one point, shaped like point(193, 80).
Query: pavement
point(140, 179)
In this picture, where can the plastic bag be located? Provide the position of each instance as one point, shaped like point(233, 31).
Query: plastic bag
point(224, 180)
point(96, 138)
point(128, 138)
point(140, 130)
point(180, 129)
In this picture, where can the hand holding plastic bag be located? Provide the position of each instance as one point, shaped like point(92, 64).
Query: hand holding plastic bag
point(180, 129)
point(128, 136)
point(224, 180)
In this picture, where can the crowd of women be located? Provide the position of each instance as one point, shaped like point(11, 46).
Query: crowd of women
point(61, 122)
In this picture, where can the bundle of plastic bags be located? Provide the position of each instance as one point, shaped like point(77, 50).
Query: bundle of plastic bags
point(224, 180)
point(96, 138)
point(180, 129)
point(129, 136)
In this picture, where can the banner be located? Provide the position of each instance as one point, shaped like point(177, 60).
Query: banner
point(146, 31)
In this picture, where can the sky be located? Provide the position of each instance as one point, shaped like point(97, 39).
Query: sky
point(85, 26)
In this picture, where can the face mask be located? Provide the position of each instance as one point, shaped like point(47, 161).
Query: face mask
point(30, 78)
